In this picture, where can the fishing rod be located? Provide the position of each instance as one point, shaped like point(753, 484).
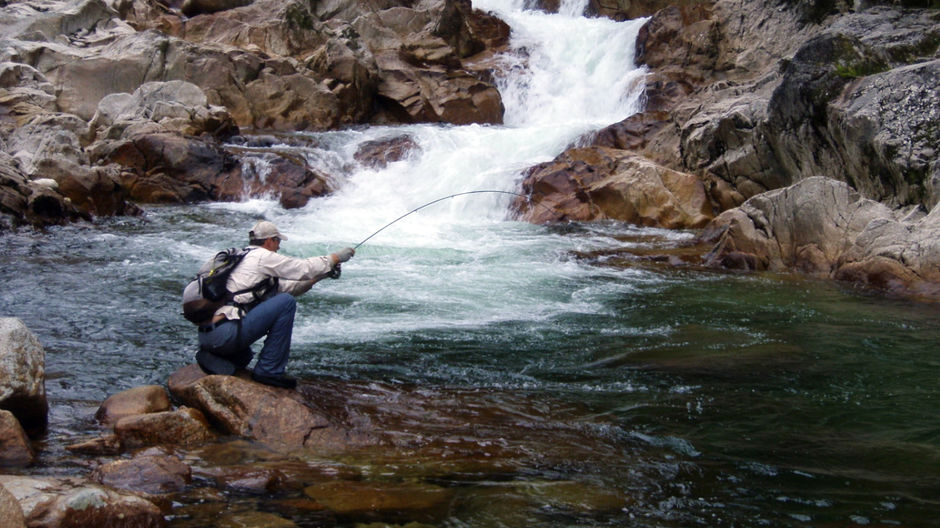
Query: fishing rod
point(432, 202)
point(337, 270)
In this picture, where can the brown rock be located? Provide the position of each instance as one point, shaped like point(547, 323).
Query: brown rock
point(10, 510)
point(57, 502)
point(22, 375)
point(145, 474)
point(169, 167)
point(379, 153)
point(15, 449)
point(596, 183)
point(275, 417)
point(139, 400)
point(185, 426)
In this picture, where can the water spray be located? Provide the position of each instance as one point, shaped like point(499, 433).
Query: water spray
point(335, 273)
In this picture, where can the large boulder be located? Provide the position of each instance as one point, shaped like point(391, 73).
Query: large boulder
point(23, 375)
point(275, 417)
point(15, 449)
point(49, 502)
point(825, 228)
point(595, 183)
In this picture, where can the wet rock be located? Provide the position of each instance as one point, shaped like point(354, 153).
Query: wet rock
point(184, 426)
point(138, 400)
point(247, 479)
point(151, 474)
point(379, 153)
point(59, 502)
point(596, 183)
point(10, 510)
point(289, 179)
point(275, 417)
point(22, 375)
point(15, 449)
point(416, 501)
point(823, 227)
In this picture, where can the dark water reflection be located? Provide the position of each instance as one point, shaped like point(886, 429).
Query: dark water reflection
point(692, 398)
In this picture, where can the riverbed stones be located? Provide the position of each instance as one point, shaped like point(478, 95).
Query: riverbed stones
point(23, 375)
point(15, 449)
point(137, 400)
point(49, 502)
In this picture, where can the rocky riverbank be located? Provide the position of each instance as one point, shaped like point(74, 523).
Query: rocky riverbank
point(748, 104)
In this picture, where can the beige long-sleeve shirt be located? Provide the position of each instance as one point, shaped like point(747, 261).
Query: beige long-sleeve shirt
point(295, 275)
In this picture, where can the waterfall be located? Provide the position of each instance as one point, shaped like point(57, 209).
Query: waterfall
point(462, 262)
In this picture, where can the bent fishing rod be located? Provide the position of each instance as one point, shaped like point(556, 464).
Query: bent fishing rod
point(448, 197)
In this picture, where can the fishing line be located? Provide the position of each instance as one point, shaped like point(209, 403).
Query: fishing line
point(416, 209)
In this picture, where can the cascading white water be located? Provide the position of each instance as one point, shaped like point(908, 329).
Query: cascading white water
point(461, 262)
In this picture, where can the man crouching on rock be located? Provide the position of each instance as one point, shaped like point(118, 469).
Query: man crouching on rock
point(225, 341)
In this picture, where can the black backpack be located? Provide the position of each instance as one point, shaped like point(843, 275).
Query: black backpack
point(206, 292)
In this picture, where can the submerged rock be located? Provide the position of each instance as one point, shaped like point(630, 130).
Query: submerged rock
point(147, 473)
point(409, 500)
point(23, 375)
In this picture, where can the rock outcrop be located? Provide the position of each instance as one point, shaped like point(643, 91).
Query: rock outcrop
point(128, 101)
point(825, 228)
point(843, 90)
point(597, 183)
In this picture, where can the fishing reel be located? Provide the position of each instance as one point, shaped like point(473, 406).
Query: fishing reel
point(335, 272)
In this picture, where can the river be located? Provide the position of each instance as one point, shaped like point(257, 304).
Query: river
point(605, 393)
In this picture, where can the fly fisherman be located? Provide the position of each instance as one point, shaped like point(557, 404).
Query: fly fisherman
point(225, 340)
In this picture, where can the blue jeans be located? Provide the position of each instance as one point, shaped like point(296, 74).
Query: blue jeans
point(273, 318)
